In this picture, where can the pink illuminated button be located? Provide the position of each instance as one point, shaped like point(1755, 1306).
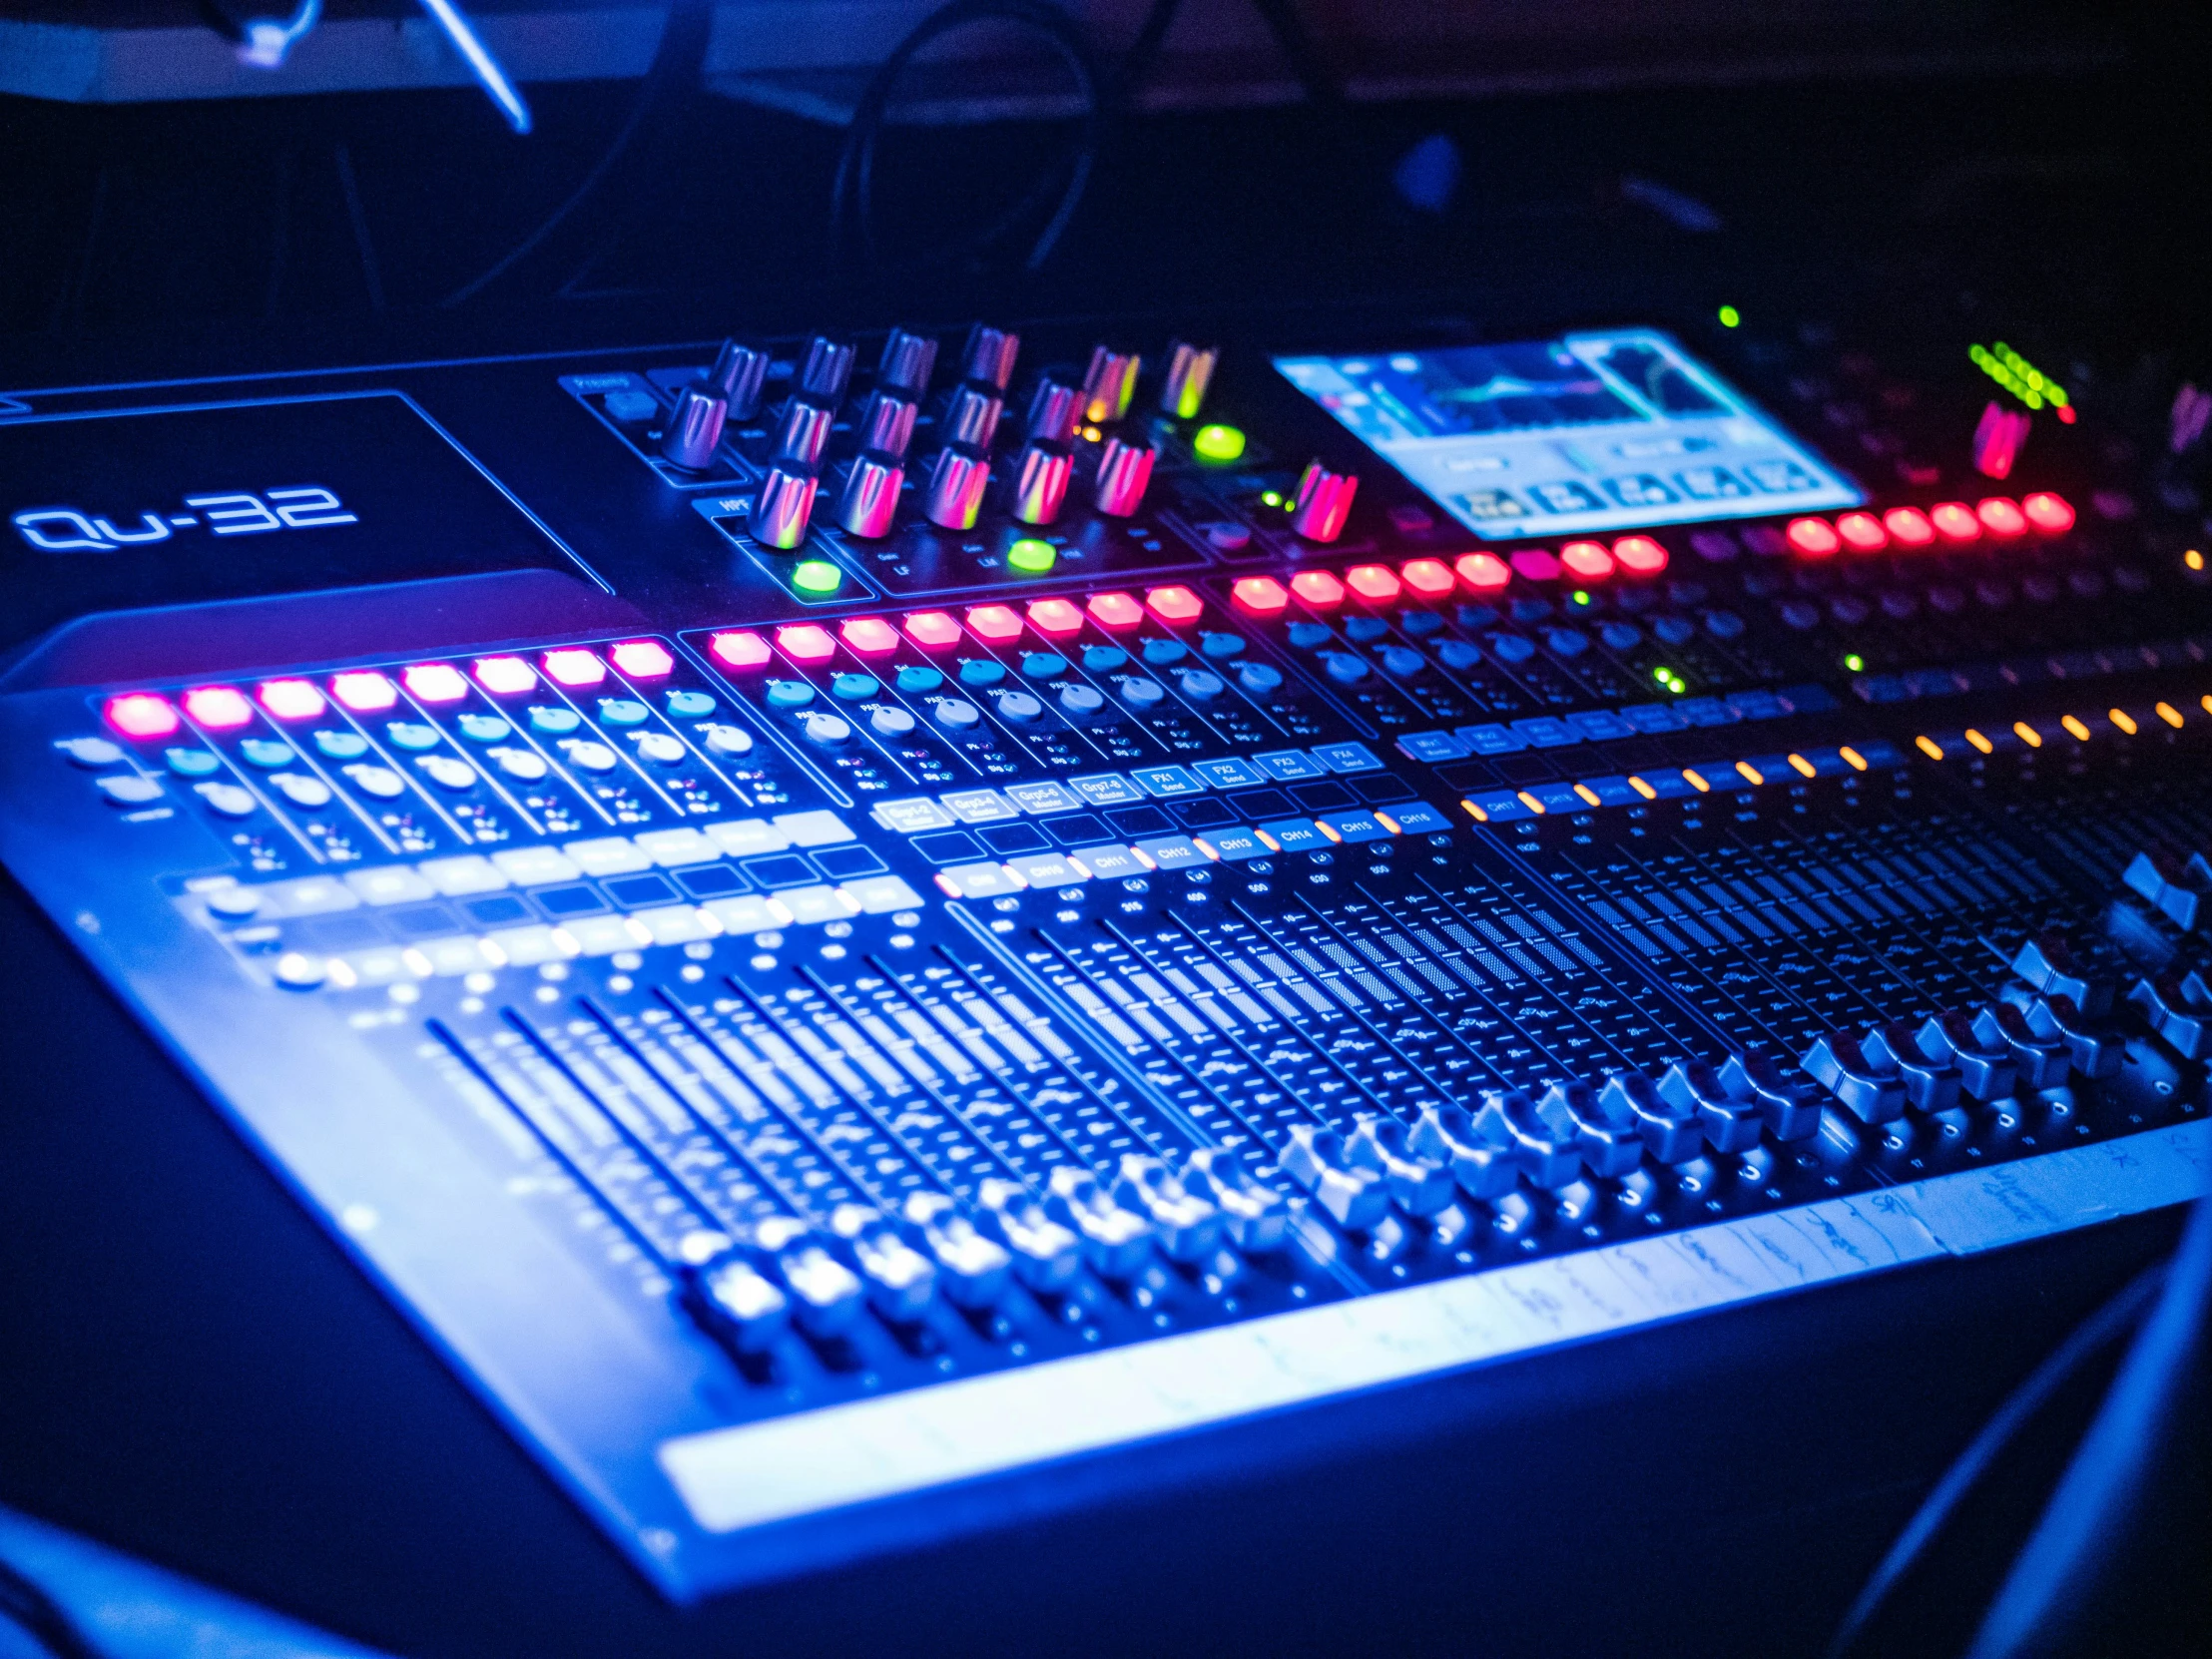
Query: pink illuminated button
point(2049, 513)
point(1429, 578)
point(1954, 521)
point(435, 682)
point(933, 630)
point(1538, 564)
point(505, 676)
point(1178, 607)
point(1376, 584)
point(1317, 589)
point(1641, 555)
point(1861, 532)
point(574, 668)
point(1908, 526)
point(217, 707)
point(739, 650)
point(869, 635)
point(643, 659)
point(1057, 619)
point(994, 624)
point(805, 643)
point(1586, 561)
point(291, 699)
point(2000, 515)
point(1260, 595)
point(1485, 572)
point(142, 715)
point(364, 690)
point(1115, 610)
point(1814, 538)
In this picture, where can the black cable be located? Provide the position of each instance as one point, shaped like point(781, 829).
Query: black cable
point(30, 1609)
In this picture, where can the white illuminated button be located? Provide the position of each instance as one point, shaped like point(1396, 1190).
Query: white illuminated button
point(233, 903)
point(298, 972)
point(129, 790)
point(608, 855)
point(291, 699)
point(465, 874)
point(302, 790)
point(365, 691)
point(436, 681)
point(575, 668)
point(533, 866)
point(592, 757)
point(93, 752)
point(661, 749)
point(520, 764)
point(219, 708)
point(726, 740)
point(891, 722)
point(447, 773)
point(505, 676)
point(381, 782)
point(225, 800)
point(392, 884)
point(643, 659)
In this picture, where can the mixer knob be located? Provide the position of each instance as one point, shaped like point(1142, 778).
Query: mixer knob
point(825, 369)
point(870, 498)
point(1054, 412)
point(971, 418)
point(988, 357)
point(738, 375)
point(1042, 483)
point(780, 510)
point(907, 363)
point(802, 432)
point(1109, 384)
point(957, 486)
point(1323, 502)
point(693, 430)
point(1124, 471)
point(1189, 372)
point(887, 427)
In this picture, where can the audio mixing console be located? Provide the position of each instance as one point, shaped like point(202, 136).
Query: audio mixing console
point(835, 918)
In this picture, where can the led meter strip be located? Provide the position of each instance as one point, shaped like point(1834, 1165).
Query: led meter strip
point(746, 1476)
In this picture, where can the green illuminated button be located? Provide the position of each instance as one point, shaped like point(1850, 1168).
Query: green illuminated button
point(917, 679)
point(690, 704)
point(790, 694)
point(816, 576)
point(342, 746)
point(1032, 555)
point(854, 688)
point(483, 727)
point(1218, 445)
point(544, 717)
point(623, 710)
point(192, 762)
point(412, 734)
point(266, 752)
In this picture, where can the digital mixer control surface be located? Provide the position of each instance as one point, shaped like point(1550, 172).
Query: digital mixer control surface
point(832, 931)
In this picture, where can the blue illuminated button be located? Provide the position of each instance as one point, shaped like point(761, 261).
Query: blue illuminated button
point(129, 790)
point(1290, 764)
point(411, 734)
point(1020, 707)
point(1459, 655)
point(1346, 756)
point(1621, 636)
point(958, 714)
point(1082, 702)
point(623, 710)
point(1232, 847)
point(1201, 687)
point(1724, 625)
point(1143, 694)
point(891, 722)
point(979, 671)
point(1475, 616)
point(1513, 648)
point(1526, 611)
point(1165, 782)
point(1353, 826)
point(1309, 635)
point(854, 688)
point(1419, 624)
point(195, 763)
point(828, 730)
point(1567, 642)
point(266, 753)
point(1344, 668)
point(1160, 652)
point(1365, 630)
point(691, 705)
point(1258, 678)
point(483, 727)
point(789, 694)
point(1230, 774)
point(1673, 630)
point(1296, 835)
point(631, 405)
point(1220, 645)
point(553, 719)
point(1043, 665)
point(915, 680)
point(1103, 659)
point(1415, 818)
point(1403, 661)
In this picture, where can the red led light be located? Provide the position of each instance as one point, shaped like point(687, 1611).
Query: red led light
point(994, 624)
point(643, 659)
point(435, 682)
point(869, 635)
point(1861, 532)
point(1641, 555)
point(1175, 606)
point(1376, 584)
point(142, 715)
point(1586, 561)
point(2000, 515)
point(1115, 610)
point(217, 707)
point(1429, 578)
point(1814, 538)
point(364, 690)
point(1538, 564)
point(291, 699)
point(1483, 572)
point(511, 675)
point(1954, 521)
point(1908, 526)
point(1317, 589)
point(1057, 619)
point(574, 668)
point(1260, 595)
point(741, 650)
point(805, 643)
point(2051, 514)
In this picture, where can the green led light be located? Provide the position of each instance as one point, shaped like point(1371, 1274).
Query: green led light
point(1270, 498)
point(1662, 675)
point(816, 576)
point(1854, 661)
point(2018, 376)
point(1730, 317)
point(1580, 596)
point(1218, 445)
point(1032, 555)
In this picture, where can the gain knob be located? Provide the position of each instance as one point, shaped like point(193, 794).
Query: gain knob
point(887, 427)
point(1109, 384)
point(780, 510)
point(1040, 486)
point(738, 375)
point(1189, 372)
point(870, 499)
point(802, 432)
point(1054, 412)
point(971, 418)
point(906, 364)
point(1124, 473)
point(823, 371)
point(1323, 502)
point(693, 429)
point(956, 485)
point(988, 357)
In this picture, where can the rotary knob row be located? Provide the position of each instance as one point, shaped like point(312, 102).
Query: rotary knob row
point(729, 390)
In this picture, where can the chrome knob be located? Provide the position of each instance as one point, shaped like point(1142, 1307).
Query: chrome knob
point(1323, 502)
point(988, 357)
point(738, 375)
point(1189, 372)
point(957, 486)
point(906, 364)
point(1042, 483)
point(1054, 412)
point(1109, 384)
point(1124, 473)
point(802, 432)
point(887, 427)
point(825, 371)
point(780, 510)
point(693, 429)
point(870, 499)
point(971, 418)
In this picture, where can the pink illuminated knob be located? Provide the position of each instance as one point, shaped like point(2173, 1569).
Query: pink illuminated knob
point(1124, 473)
point(956, 487)
point(870, 499)
point(1042, 483)
point(1109, 384)
point(780, 510)
point(1323, 502)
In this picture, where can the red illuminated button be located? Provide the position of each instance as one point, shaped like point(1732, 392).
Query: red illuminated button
point(217, 707)
point(1260, 595)
point(1641, 555)
point(2000, 515)
point(1586, 561)
point(1115, 610)
point(1057, 619)
point(1429, 578)
point(1908, 526)
point(291, 699)
point(1318, 590)
point(739, 650)
point(1538, 564)
point(1485, 572)
point(1861, 532)
point(1954, 521)
point(511, 675)
point(364, 690)
point(869, 635)
point(1176, 605)
point(995, 624)
point(2049, 513)
point(933, 630)
point(435, 682)
point(1376, 584)
point(643, 659)
point(1816, 538)
point(142, 715)
point(574, 668)
point(805, 643)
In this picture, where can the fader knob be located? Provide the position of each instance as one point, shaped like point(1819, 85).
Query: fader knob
point(906, 364)
point(988, 357)
point(1323, 503)
point(825, 371)
point(738, 375)
point(1042, 483)
point(1109, 384)
point(1189, 372)
point(693, 430)
point(870, 499)
point(957, 486)
point(1124, 471)
point(780, 510)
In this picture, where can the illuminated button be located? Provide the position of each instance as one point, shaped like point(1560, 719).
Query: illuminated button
point(291, 699)
point(1115, 610)
point(217, 707)
point(1056, 618)
point(726, 740)
point(891, 722)
point(1043, 665)
point(266, 753)
point(92, 753)
point(1427, 578)
point(296, 972)
point(504, 675)
point(447, 773)
point(1176, 605)
point(805, 644)
point(574, 668)
point(311, 794)
point(690, 704)
point(1081, 702)
point(1258, 678)
point(1537, 564)
point(1344, 668)
point(1221, 647)
point(1160, 653)
point(1033, 556)
point(2049, 513)
point(994, 624)
point(129, 790)
point(1621, 636)
point(342, 746)
point(868, 636)
point(1585, 561)
point(1403, 661)
point(1376, 584)
point(1260, 595)
point(1218, 446)
point(933, 630)
point(364, 690)
point(1318, 590)
point(554, 720)
point(520, 764)
point(436, 683)
point(854, 688)
point(1020, 707)
point(592, 757)
point(1908, 526)
point(225, 800)
point(623, 710)
point(1201, 687)
point(643, 659)
point(2001, 516)
point(379, 782)
point(825, 731)
point(1143, 694)
point(1861, 532)
point(233, 903)
point(1103, 659)
point(1954, 521)
point(1814, 538)
point(790, 694)
point(816, 576)
point(918, 678)
point(981, 671)
point(1486, 572)
point(412, 733)
point(958, 714)
point(739, 650)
